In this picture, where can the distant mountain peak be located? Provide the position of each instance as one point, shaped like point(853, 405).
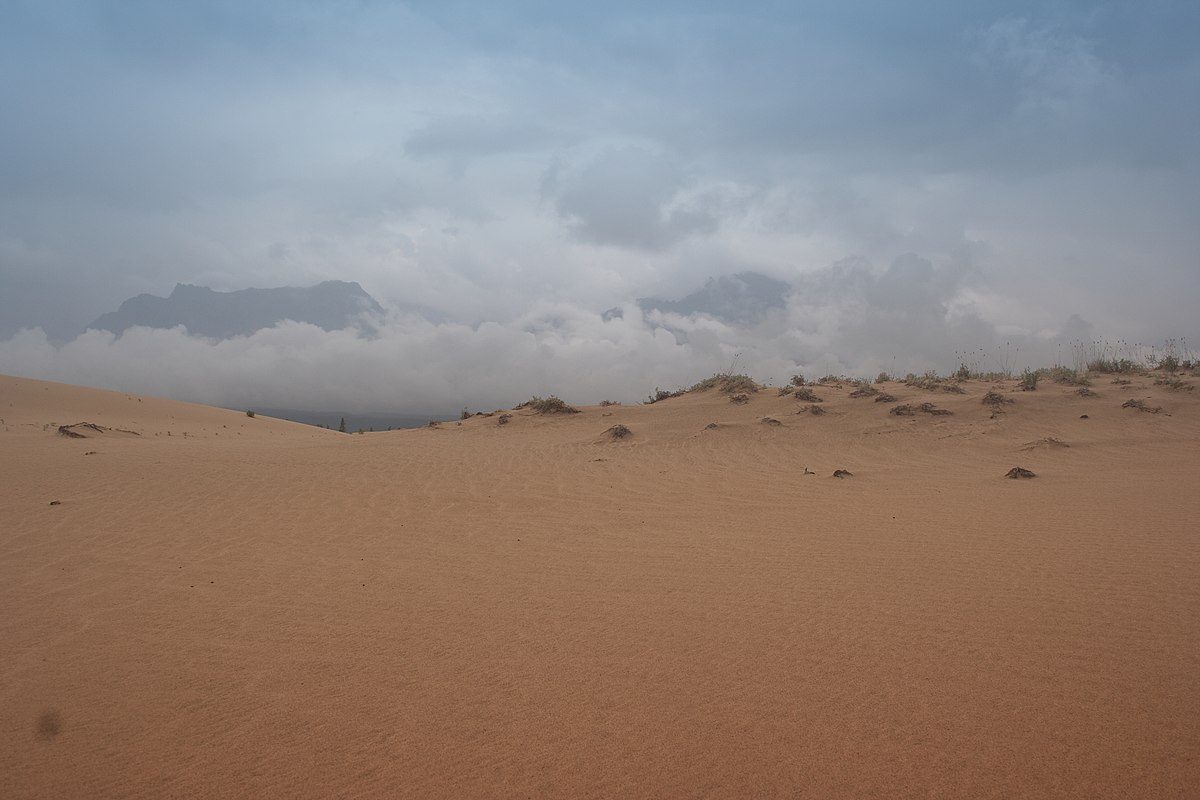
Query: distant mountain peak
point(331, 305)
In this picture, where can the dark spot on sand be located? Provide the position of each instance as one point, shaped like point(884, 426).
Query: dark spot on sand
point(1019, 472)
point(49, 725)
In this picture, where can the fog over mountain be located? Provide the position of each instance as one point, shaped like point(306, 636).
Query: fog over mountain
point(741, 299)
point(331, 305)
point(826, 186)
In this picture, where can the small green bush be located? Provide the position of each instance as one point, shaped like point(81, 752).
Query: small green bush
point(250, 414)
point(1029, 380)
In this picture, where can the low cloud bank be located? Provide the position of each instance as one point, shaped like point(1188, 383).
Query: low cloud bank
point(849, 319)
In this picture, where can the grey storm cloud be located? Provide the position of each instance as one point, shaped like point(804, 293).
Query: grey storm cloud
point(629, 197)
point(927, 178)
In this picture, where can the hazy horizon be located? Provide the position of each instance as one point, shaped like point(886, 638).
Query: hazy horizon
point(991, 180)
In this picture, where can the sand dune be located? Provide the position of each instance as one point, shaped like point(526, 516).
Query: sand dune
point(225, 606)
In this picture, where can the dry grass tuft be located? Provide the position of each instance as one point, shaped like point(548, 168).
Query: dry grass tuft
point(996, 400)
point(618, 432)
point(548, 405)
point(727, 384)
point(1140, 405)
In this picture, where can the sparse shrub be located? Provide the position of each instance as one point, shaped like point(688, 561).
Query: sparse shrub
point(807, 395)
point(1140, 405)
point(618, 432)
point(503, 419)
point(740, 399)
point(995, 399)
point(659, 395)
point(929, 381)
point(930, 408)
point(1068, 377)
point(1029, 380)
point(816, 411)
point(727, 384)
point(1084, 391)
point(250, 414)
point(1120, 365)
point(884, 397)
point(797, 380)
point(548, 405)
point(1173, 384)
point(607, 403)
point(784, 391)
point(465, 414)
point(831, 378)
point(903, 410)
point(882, 377)
point(864, 390)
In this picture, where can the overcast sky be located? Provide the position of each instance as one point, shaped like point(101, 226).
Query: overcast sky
point(934, 177)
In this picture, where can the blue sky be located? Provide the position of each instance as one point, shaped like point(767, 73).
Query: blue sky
point(487, 159)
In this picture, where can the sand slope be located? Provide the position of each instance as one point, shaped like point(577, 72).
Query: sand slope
point(535, 610)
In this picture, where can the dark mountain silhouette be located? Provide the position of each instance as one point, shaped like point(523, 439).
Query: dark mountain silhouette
point(741, 299)
point(331, 305)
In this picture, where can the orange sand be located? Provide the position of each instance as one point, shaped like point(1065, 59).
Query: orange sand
point(263, 609)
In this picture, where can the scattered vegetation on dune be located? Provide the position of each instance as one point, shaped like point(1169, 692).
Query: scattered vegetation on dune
point(884, 397)
point(1029, 380)
point(618, 432)
point(607, 403)
point(906, 410)
point(658, 395)
point(807, 395)
point(816, 411)
point(547, 405)
point(864, 389)
point(726, 383)
point(930, 382)
point(1173, 384)
point(740, 398)
point(1068, 377)
point(1140, 405)
point(996, 400)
